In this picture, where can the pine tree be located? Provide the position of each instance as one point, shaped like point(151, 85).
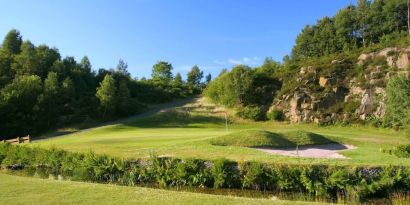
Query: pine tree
point(208, 78)
point(178, 80)
point(12, 42)
point(162, 73)
point(123, 97)
point(106, 93)
point(195, 76)
point(48, 102)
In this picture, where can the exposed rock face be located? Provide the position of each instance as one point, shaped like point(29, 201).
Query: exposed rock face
point(366, 105)
point(403, 61)
point(333, 96)
point(395, 57)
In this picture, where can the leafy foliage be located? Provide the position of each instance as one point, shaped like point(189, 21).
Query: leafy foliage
point(356, 26)
point(40, 90)
point(244, 88)
point(348, 184)
point(276, 115)
point(398, 101)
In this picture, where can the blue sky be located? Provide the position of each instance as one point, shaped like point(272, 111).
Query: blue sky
point(213, 34)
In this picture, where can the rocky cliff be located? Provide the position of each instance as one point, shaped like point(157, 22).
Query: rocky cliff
point(344, 90)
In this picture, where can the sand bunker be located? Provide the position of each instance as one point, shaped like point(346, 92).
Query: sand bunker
point(313, 151)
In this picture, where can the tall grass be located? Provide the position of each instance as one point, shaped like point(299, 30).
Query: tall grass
point(318, 182)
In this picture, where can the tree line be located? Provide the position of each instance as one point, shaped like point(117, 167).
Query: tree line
point(356, 26)
point(40, 90)
point(367, 25)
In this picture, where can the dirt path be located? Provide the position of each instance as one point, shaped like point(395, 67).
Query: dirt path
point(314, 151)
point(151, 111)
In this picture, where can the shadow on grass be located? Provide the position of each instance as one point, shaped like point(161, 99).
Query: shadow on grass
point(266, 139)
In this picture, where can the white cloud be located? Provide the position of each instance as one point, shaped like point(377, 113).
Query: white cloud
point(233, 61)
point(219, 62)
point(245, 60)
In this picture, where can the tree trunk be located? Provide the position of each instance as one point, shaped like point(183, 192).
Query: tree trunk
point(408, 15)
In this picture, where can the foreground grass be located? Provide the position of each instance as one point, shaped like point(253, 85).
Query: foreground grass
point(176, 135)
point(23, 190)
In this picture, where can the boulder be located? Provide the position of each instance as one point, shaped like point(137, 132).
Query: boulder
point(387, 52)
point(322, 119)
point(380, 110)
point(366, 105)
point(365, 56)
point(403, 61)
point(325, 81)
point(305, 106)
point(303, 70)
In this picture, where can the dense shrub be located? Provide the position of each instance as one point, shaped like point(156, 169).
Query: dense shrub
point(257, 176)
point(276, 115)
point(341, 183)
point(400, 151)
point(398, 101)
point(225, 174)
point(251, 113)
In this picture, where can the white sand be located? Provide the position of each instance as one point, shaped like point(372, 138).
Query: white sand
point(314, 151)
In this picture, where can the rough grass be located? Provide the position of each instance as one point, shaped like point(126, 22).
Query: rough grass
point(263, 138)
point(23, 190)
point(188, 136)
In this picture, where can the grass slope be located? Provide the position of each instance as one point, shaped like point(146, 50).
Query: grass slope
point(263, 138)
point(188, 135)
point(23, 190)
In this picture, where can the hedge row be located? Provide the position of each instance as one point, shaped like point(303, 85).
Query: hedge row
point(331, 182)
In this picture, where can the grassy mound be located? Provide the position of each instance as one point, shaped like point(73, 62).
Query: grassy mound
point(262, 138)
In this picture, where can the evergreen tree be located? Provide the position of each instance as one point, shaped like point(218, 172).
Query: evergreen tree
point(12, 42)
point(19, 106)
point(123, 98)
point(178, 80)
point(194, 76)
point(49, 100)
point(398, 100)
point(122, 68)
point(106, 93)
point(345, 27)
point(162, 73)
point(208, 78)
point(85, 64)
point(363, 20)
point(27, 61)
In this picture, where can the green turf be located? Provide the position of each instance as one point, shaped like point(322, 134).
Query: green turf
point(185, 135)
point(23, 190)
point(263, 138)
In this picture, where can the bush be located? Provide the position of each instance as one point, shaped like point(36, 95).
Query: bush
point(351, 106)
point(193, 172)
point(225, 174)
point(349, 184)
point(257, 176)
point(251, 113)
point(276, 115)
point(402, 151)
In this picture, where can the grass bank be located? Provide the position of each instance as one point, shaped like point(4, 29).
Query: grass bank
point(24, 190)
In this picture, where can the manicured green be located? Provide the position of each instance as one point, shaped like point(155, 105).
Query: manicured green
point(23, 190)
point(262, 138)
point(186, 135)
